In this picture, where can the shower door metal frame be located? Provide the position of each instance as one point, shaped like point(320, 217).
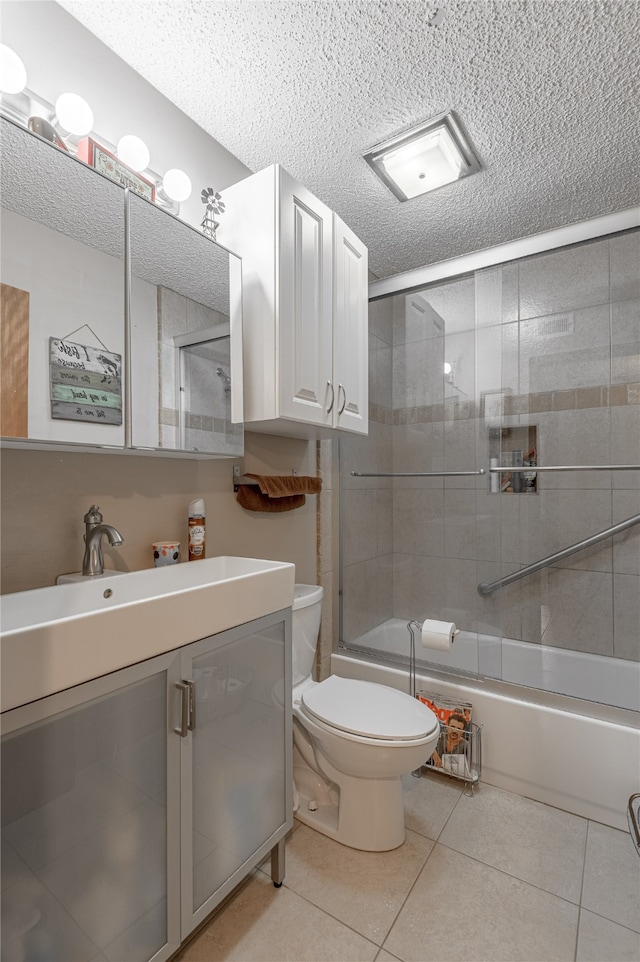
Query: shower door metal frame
point(549, 240)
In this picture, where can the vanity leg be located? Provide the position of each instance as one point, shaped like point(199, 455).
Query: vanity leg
point(277, 863)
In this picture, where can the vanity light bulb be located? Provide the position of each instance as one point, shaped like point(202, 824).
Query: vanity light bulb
point(176, 184)
point(447, 368)
point(13, 75)
point(74, 114)
point(133, 152)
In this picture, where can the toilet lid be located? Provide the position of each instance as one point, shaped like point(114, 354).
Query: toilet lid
point(364, 708)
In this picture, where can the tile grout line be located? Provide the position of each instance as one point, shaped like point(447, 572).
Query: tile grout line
point(410, 890)
point(413, 884)
point(584, 866)
point(325, 912)
point(516, 878)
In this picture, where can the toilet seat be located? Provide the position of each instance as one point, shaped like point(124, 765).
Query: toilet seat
point(368, 710)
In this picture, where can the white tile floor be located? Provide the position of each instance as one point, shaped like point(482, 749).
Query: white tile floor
point(491, 877)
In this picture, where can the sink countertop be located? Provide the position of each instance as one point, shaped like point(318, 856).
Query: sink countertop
point(56, 637)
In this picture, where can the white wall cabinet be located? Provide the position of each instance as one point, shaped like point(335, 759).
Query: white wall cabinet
point(304, 302)
point(134, 803)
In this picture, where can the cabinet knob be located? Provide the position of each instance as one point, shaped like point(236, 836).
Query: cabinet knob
point(333, 397)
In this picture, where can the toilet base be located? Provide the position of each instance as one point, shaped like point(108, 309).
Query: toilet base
point(366, 814)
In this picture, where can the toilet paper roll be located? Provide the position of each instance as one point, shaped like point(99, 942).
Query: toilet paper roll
point(438, 634)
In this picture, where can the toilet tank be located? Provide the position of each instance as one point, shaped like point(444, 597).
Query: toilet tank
point(305, 627)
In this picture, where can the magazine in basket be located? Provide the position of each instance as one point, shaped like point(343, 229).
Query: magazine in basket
point(453, 751)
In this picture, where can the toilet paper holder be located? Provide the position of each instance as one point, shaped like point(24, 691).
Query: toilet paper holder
point(466, 766)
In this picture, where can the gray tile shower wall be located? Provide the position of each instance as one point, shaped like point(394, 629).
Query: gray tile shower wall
point(554, 341)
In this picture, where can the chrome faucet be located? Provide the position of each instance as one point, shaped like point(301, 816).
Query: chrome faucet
point(93, 562)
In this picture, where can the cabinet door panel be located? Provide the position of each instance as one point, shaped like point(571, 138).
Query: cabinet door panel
point(238, 761)
point(305, 305)
point(350, 331)
point(84, 827)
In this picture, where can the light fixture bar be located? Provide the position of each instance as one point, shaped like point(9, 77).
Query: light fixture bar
point(425, 157)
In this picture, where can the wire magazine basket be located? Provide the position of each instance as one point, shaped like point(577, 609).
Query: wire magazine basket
point(458, 753)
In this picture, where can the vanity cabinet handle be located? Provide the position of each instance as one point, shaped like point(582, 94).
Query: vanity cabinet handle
point(187, 708)
point(191, 724)
point(184, 710)
point(344, 403)
point(333, 397)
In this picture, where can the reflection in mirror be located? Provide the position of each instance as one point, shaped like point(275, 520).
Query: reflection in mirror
point(197, 355)
point(180, 330)
point(62, 271)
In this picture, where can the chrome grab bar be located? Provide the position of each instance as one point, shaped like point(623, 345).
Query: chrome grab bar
point(565, 467)
point(486, 588)
point(419, 474)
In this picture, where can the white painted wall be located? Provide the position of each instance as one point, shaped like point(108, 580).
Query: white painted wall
point(145, 497)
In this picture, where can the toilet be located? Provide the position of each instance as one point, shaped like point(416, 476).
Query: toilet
point(352, 742)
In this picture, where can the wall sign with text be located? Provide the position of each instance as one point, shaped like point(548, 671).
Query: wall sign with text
point(85, 382)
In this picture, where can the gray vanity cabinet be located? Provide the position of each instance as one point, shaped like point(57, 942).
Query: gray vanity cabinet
point(134, 803)
point(88, 857)
point(236, 773)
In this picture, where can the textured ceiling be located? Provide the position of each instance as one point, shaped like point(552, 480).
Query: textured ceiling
point(547, 90)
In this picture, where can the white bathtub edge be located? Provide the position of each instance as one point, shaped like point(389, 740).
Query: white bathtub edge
point(582, 764)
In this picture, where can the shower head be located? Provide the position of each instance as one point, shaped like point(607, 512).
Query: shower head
point(225, 378)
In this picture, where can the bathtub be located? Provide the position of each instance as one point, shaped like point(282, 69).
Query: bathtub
point(598, 678)
point(577, 755)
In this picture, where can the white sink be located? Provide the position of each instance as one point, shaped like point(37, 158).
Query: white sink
point(53, 638)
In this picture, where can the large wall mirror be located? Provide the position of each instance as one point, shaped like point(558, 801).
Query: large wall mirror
point(184, 306)
point(70, 322)
point(62, 274)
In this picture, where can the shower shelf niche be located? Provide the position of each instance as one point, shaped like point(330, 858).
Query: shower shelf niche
point(517, 448)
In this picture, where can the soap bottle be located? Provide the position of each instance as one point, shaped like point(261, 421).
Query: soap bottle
point(196, 530)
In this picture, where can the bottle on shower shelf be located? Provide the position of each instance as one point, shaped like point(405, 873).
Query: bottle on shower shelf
point(530, 477)
point(517, 481)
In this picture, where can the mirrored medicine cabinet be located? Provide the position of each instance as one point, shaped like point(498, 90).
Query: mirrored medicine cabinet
point(120, 322)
